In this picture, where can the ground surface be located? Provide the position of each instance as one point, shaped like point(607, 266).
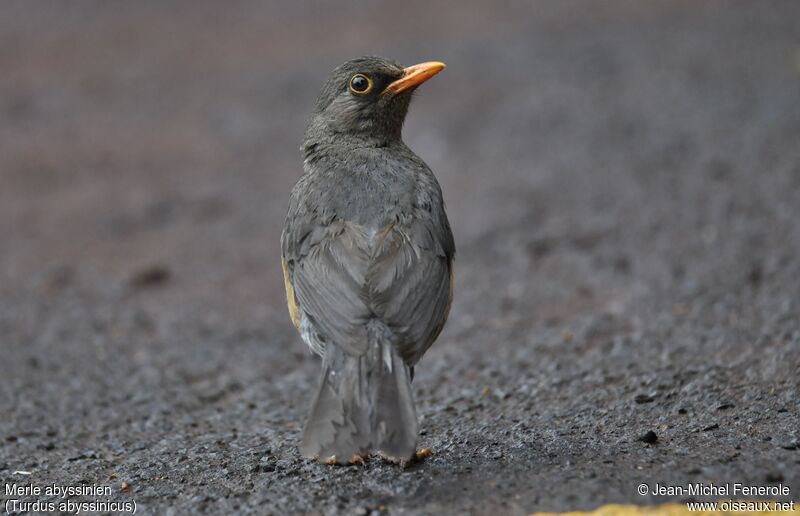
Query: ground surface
point(623, 180)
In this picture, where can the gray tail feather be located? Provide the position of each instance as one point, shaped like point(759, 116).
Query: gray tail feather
point(364, 404)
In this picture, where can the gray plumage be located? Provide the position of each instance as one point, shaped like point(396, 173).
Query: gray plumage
point(367, 253)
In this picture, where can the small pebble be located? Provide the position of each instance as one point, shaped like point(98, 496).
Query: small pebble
point(774, 477)
point(650, 437)
point(152, 276)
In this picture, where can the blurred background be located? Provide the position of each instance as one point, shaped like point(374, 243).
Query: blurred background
point(623, 181)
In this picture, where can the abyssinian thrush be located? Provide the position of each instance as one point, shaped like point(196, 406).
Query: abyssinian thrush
point(367, 257)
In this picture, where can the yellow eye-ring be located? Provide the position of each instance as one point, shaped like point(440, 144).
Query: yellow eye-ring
point(360, 84)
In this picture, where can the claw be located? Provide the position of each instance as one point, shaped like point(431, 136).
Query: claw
point(358, 459)
point(330, 461)
point(423, 453)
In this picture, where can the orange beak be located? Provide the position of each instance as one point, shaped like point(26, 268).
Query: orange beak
point(413, 76)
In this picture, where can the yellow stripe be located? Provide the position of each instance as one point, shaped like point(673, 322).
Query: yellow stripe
point(681, 509)
point(294, 310)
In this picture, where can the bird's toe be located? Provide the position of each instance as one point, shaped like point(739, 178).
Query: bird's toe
point(423, 453)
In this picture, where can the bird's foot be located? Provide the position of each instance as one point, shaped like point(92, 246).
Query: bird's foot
point(419, 455)
point(423, 453)
point(359, 459)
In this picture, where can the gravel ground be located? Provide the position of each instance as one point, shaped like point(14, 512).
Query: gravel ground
point(623, 180)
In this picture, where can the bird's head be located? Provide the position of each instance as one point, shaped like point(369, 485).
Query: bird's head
point(367, 99)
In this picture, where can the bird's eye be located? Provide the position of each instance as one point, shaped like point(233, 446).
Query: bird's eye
point(360, 84)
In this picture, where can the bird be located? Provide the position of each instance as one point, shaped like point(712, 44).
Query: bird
point(367, 256)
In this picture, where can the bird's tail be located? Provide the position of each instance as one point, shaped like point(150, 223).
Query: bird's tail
point(364, 404)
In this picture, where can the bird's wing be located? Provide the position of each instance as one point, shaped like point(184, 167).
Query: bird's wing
point(296, 230)
point(325, 261)
point(340, 275)
point(410, 282)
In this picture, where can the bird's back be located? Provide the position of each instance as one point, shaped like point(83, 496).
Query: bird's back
point(380, 215)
